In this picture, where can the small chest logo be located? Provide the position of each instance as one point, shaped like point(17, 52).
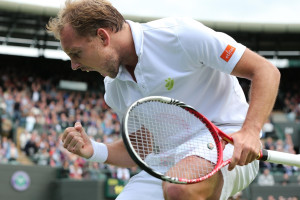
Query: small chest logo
point(169, 83)
point(227, 53)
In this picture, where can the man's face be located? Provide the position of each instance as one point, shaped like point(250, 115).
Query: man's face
point(89, 53)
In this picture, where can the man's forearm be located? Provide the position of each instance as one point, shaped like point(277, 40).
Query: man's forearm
point(118, 155)
point(263, 92)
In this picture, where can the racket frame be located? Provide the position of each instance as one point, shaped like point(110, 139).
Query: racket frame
point(215, 132)
point(264, 155)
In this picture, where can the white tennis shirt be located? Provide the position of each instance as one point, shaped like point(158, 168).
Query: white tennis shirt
point(182, 59)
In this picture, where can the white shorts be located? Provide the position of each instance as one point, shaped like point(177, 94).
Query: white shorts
point(146, 187)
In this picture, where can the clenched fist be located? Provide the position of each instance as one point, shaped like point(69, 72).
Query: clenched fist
point(77, 141)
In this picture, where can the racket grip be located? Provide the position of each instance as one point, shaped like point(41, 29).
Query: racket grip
point(280, 157)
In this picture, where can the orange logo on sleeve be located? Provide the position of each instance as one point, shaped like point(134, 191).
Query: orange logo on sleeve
point(227, 53)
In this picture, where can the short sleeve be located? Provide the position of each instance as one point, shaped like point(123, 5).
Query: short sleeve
point(209, 48)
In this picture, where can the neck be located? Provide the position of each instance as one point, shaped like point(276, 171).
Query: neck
point(126, 48)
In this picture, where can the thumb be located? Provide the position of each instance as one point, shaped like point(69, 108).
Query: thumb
point(78, 127)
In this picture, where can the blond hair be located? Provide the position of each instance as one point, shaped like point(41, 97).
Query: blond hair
point(86, 16)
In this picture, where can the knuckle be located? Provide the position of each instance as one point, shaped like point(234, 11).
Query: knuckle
point(235, 158)
point(69, 129)
point(241, 162)
point(69, 148)
point(71, 136)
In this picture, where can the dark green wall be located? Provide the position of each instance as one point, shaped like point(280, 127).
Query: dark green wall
point(80, 190)
point(46, 186)
point(276, 191)
point(42, 185)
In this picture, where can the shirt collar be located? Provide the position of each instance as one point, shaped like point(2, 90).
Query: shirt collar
point(137, 34)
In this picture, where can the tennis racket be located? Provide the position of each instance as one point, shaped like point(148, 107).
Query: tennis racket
point(173, 142)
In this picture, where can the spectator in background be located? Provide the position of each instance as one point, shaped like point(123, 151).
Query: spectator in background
point(31, 147)
point(35, 92)
point(281, 146)
point(65, 172)
point(42, 157)
point(55, 156)
point(30, 122)
point(269, 143)
point(123, 174)
point(271, 197)
point(268, 129)
point(5, 144)
point(266, 178)
point(24, 138)
point(9, 101)
point(12, 152)
point(64, 122)
point(285, 179)
point(289, 147)
point(94, 170)
point(2, 107)
point(291, 105)
point(6, 127)
point(281, 198)
point(17, 113)
point(75, 170)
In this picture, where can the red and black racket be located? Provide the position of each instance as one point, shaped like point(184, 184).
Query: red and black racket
point(172, 141)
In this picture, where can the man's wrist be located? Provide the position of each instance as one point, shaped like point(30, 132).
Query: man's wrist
point(100, 152)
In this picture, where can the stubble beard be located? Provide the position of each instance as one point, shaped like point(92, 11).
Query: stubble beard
point(113, 68)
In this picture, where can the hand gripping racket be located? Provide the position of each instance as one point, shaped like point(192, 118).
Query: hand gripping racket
point(173, 142)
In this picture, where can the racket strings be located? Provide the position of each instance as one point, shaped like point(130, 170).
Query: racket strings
point(171, 140)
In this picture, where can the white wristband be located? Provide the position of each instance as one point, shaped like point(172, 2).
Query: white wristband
point(100, 152)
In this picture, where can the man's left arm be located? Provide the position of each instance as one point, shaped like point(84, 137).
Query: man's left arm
point(265, 78)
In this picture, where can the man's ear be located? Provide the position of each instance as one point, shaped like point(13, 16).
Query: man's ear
point(103, 36)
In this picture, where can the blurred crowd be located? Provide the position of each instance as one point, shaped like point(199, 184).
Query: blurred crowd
point(292, 105)
point(280, 145)
point(34, 113)
point(271, 197)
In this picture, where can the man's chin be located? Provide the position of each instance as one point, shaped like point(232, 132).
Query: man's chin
point(112, 75)
point(104, 75)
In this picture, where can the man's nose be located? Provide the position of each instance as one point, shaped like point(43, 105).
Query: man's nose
point(74, 65)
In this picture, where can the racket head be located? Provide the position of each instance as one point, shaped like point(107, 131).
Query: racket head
point(143, 128)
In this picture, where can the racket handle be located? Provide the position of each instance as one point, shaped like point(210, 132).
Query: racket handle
point(279, 157)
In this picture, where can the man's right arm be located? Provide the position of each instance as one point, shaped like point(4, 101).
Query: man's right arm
point(76, 141)
point(118, 155)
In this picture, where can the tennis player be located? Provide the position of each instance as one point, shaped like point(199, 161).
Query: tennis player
point(175, 57)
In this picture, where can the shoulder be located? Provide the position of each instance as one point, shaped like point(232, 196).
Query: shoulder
point(171, 22)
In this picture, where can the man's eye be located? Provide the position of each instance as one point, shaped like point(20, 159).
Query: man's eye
point(74, 55)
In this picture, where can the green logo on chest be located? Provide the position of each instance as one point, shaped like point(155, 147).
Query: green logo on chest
point(169, 83)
